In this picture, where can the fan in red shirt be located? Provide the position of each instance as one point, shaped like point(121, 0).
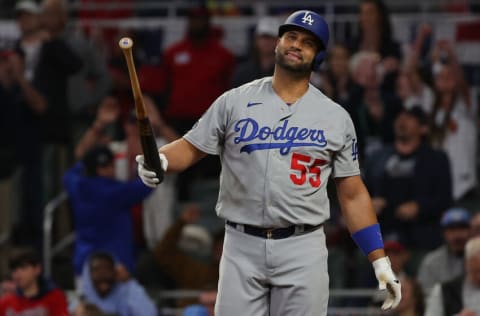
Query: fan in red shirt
point(198, 69)
point(34, 295)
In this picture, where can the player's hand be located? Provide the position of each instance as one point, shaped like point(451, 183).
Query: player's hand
point(387, 281)
point(149, 178)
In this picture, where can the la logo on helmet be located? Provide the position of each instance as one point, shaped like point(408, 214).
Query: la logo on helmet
point(307, 18)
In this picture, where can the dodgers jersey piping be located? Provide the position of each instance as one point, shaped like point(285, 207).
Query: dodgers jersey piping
point(276, 158)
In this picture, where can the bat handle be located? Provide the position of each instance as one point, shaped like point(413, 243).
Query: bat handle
point(149, 147)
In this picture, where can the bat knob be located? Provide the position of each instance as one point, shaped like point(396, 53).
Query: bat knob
point(125, 43)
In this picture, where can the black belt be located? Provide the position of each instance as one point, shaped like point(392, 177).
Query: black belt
point(275, 233)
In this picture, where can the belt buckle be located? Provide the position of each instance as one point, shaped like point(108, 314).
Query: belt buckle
point(269, 233)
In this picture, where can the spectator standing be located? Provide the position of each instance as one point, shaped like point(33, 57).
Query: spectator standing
point(92, 82)
point(34, 295)
point(459, 296)
point(446, 262)
point(412, 85)
point(199, 69)
point(32, 105)
point(409, 193)
point(375, 36)
point(9, 120)
point(373, 109)
point(87, 87)
point(262, 60)
point(336, 80)
point(50, 73)
point(106, 285)
point(101, 208)
point(56, 64)
point(18, 97)
point(31, 35)
point(453, 119)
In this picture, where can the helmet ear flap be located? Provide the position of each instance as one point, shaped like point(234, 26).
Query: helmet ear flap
point(318, 60)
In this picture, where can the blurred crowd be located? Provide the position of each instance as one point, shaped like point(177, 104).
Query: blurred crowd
point(68, 124)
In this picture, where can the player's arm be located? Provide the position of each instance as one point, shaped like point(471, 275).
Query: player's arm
point(181, 154)
point(357, 210)
point(207, 133)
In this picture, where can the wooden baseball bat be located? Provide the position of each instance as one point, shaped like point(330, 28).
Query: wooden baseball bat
point(147, 138)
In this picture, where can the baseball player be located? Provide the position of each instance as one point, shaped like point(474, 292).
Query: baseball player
point(280, 139)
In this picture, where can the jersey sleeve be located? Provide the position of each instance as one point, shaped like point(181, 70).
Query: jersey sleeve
point(345, 162)
point(209, 131)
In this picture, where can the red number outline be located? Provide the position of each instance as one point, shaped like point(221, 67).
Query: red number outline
point(301, 163)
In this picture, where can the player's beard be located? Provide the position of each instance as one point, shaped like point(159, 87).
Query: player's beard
point(300, 69)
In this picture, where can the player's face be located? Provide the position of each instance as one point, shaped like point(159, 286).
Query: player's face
point(296, 51)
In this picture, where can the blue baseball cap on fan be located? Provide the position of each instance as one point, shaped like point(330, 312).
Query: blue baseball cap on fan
point(98, 156)
point(454, 217)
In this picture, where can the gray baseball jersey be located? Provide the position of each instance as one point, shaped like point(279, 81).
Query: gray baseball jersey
point(276, 158)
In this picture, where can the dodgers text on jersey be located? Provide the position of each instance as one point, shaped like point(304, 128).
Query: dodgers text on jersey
point(285, 137)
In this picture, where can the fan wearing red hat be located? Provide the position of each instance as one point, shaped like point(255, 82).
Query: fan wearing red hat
point(399, 256)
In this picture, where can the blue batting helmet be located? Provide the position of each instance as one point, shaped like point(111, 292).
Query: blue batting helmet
point(311, 22)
